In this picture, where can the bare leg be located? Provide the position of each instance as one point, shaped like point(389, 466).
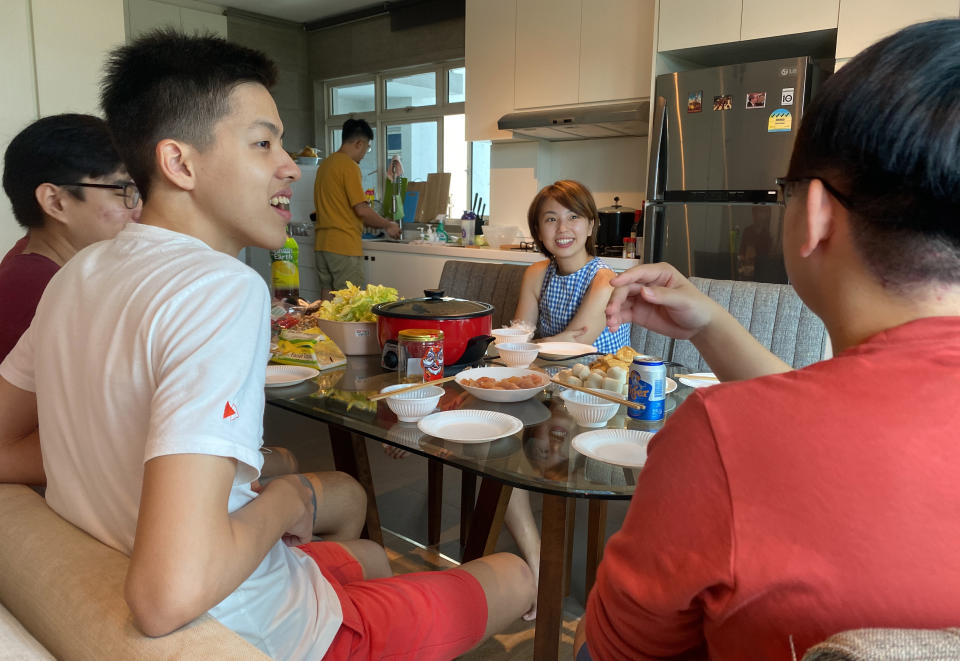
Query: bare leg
point(341, 505)
point(277, 461)
point(519, 521)
point(508, 585)
point(371, 557)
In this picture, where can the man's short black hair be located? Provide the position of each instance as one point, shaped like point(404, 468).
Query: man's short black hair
point(354, 129)
point(58, 149)
point(170, 85)
point(885, 130)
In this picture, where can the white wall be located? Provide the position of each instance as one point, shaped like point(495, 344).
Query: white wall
point(51, 57)
point(608, 167)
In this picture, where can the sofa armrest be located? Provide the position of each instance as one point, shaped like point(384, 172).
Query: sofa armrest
point(66, 588)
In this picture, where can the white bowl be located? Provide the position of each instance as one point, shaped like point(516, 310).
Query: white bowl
point(518, 354)
point(413, 405)
point(502, 335)
point(499, 373)
point(588, 410)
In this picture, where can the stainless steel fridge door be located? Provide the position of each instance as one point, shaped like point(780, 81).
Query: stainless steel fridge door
point(729, 128)
point(721, 241)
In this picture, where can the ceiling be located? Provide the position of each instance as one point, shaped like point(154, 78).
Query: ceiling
point(301, 11)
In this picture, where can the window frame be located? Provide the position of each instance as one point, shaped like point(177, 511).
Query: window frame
point(381, 117)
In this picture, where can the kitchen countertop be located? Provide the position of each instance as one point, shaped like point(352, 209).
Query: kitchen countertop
point(470, 252)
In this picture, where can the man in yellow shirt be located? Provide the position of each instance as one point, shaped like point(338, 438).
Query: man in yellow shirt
point(342, 211)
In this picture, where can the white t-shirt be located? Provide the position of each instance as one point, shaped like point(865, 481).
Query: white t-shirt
point(154, 344)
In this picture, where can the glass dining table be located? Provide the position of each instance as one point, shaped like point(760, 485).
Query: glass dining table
point(540, 458)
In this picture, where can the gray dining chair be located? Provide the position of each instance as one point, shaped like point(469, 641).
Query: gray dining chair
point(497, 284)
point(888, 645)
point(773, 314)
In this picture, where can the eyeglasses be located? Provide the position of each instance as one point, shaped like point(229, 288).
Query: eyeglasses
point(784, 182)
point(131, 194)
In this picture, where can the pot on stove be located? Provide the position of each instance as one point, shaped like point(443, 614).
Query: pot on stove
point(614, 223)
point(466, 325)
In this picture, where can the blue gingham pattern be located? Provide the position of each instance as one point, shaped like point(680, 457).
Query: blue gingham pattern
point(560, 296)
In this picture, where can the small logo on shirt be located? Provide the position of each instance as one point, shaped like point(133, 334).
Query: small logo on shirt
point(230, 411)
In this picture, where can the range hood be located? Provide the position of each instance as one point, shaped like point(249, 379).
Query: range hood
point(581, 122)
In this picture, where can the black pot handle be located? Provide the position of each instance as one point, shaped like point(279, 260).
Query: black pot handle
point(433, 293)
point(475, 350)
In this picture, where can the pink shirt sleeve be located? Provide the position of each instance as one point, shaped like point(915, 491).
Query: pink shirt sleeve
point(673, 556)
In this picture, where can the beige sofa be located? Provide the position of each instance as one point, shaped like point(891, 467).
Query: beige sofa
point(66, 589)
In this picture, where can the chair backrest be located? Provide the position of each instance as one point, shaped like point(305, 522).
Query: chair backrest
point(650, 343)
point(888, 645)
point(773, 314)
point(497, 284)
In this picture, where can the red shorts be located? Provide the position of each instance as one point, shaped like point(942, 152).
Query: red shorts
point(425, 615)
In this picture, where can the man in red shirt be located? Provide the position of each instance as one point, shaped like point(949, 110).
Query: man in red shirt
point(784, 506)
point(68, 188)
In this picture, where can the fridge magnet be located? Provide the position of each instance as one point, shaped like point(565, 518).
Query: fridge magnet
point(780, 121)
point(786, 96)
point(724, 102)
point(756, 99)
point(695, 101)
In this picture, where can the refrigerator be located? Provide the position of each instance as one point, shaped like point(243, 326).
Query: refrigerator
point(720, 137)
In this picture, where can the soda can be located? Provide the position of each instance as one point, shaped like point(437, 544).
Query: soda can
point(647, 384)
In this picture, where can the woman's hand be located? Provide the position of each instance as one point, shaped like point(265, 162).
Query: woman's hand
point(659, 298)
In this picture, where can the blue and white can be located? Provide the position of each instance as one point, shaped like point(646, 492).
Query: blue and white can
point(647, 385)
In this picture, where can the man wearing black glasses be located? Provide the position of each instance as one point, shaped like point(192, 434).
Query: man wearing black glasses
point(787, 505)
point(68, 189)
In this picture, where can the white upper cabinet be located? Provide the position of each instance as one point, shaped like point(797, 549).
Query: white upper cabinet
point(145, 15)
point(863, 22)
point(489, 53)
point(524, 54)
point(616, 49)
point(762, 18)
point(690, 23)
point(548, 53)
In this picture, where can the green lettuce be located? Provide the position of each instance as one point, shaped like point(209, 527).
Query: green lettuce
point(354, 304)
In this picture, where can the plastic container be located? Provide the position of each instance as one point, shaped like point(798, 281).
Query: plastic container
point(355, 338)
point(497, 235)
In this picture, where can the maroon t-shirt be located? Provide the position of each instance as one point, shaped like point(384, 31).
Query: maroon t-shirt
point(22, 281)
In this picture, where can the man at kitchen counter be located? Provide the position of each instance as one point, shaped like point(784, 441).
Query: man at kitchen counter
point(342, 211)
point(786, 506)
point(149, 411)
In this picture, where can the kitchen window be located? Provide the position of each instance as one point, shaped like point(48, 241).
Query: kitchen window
point(417, 114)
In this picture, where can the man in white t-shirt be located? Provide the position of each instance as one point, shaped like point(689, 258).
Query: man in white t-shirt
point(149, 411)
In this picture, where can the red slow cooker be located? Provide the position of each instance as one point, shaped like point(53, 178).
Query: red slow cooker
point(466, 325)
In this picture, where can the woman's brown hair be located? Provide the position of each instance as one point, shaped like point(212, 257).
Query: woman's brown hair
point(570, 195)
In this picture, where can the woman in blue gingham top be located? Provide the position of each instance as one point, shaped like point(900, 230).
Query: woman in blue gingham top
point(560, 298)
point(565, 296)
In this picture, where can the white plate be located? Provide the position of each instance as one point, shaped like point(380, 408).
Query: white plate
point(670, 386)
point(560, 350)
point(698, 383)
point(620, 447)
point(500, 373)
point(288, 375)
point(470, 426)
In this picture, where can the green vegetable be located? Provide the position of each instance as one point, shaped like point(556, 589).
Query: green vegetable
point(353, 303)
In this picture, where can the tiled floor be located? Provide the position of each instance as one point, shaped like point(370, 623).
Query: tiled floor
point(401, 487)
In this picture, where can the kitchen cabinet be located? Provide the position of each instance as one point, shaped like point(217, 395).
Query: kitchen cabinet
point(548, 53)
point(523, 54)
point(863, 22)
point(762, 18)
point(616, 49)
point(490, 56)
point(690, 23)
point(146, 15)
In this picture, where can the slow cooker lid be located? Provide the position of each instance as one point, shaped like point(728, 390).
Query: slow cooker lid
point(433, 306)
